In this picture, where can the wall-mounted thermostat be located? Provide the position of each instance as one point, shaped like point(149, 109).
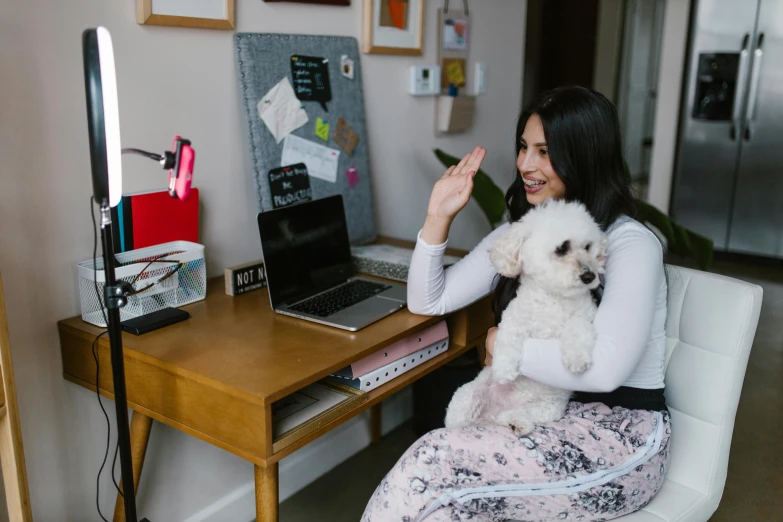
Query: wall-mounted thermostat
point(424, 80)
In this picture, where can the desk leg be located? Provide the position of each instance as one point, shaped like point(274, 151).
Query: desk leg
point(375, 423)
point(140, 427)
point(267, 501)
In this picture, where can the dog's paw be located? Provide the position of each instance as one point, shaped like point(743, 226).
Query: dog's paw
point(577, 361)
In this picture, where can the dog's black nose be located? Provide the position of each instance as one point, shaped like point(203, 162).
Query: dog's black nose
point(587, 277)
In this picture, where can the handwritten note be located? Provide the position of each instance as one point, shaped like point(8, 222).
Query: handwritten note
point(321, 161)
point(281, 111)
point(311, 79)
point(322, 129)
point(289, 185)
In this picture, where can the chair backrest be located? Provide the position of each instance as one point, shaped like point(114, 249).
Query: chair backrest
point(710, 327)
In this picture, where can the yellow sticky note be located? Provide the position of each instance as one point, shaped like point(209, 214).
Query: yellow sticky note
point(322, 129)
point(454, 73)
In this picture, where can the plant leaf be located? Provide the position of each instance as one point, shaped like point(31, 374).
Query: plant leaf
point(487, 195)
point(681, 241)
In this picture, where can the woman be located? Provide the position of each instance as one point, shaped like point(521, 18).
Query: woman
point(608, 455)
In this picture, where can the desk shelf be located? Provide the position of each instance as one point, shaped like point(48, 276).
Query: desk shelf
point(350, 408)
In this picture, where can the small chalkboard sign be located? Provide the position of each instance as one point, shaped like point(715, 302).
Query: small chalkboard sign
point(289, 185)
point(310, 77)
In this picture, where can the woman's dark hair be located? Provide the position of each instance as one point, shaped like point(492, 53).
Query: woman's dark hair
point(583, 139)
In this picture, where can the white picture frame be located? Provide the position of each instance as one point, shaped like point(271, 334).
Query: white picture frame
point(201, 14)
point(380, 39)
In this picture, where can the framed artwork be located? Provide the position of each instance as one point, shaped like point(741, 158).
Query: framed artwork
point(321, 2)
point(203, 14)
point(394, 27)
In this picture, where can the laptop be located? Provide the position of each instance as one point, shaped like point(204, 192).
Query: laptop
point(309, 271)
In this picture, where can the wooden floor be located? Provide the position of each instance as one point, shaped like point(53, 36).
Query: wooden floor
point(755, 468)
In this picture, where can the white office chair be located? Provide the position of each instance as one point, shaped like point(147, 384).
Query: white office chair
point(710, 328)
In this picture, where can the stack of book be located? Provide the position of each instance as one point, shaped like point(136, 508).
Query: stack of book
point(396, 359)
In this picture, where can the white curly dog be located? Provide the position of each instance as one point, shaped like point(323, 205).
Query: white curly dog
point(558, 251)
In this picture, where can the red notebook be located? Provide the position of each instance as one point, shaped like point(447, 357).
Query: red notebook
point(153, 218)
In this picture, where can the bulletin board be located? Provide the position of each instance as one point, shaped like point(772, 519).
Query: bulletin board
point(264, 61)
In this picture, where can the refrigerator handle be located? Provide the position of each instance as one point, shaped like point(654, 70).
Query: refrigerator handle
point(739, 95)
point(755, 76)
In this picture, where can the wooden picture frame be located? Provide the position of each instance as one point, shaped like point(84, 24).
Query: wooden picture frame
point(409, 42)
point(319, 2)
point(146, 15)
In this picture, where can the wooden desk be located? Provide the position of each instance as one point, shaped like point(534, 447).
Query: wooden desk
point(216, 375)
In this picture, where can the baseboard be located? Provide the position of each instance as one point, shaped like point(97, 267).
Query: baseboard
point(317, 458)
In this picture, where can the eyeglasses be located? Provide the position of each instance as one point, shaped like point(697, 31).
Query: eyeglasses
point(156, 259)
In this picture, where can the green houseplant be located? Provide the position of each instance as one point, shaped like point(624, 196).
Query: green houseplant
point(680, 241)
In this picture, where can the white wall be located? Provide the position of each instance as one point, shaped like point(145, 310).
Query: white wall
point(667, 109)
point(184, 81)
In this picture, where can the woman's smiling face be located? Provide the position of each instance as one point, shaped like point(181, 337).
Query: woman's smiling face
point(539, 177)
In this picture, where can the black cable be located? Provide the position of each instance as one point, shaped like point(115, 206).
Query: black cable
point(108, 428)
point(113, 465)
point(97, 363)
point(139, 152)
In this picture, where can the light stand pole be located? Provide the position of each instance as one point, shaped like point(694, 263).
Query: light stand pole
point(114, 297)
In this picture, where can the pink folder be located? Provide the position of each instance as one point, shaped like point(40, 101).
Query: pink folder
point(400, 349)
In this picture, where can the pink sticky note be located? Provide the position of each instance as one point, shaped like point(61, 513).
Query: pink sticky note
point(352, 175)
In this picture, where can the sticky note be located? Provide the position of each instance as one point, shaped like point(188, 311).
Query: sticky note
point(352, 175)
point(346, 137)
point(455, 73)
point(322, 129)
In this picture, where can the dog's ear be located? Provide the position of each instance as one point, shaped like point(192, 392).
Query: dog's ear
point(506, 254)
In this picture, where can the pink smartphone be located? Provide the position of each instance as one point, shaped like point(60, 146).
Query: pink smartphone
point(181, 175)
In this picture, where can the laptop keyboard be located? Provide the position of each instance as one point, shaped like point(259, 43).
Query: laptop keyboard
point(328, 303)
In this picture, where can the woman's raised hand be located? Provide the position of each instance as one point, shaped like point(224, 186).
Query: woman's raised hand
point(450, 195)
point(452, 191)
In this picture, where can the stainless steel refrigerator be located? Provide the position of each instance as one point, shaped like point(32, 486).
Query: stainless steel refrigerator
point(728, 182)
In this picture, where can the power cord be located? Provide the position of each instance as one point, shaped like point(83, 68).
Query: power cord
point(167, 159)
point(97, 368)
point(139, 152)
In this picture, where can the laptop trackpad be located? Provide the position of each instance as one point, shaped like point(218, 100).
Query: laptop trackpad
point(367, 310)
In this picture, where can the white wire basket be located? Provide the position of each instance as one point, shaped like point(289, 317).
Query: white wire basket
point(166, 275)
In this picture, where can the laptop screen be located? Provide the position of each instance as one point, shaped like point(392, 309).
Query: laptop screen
point(306, 249)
